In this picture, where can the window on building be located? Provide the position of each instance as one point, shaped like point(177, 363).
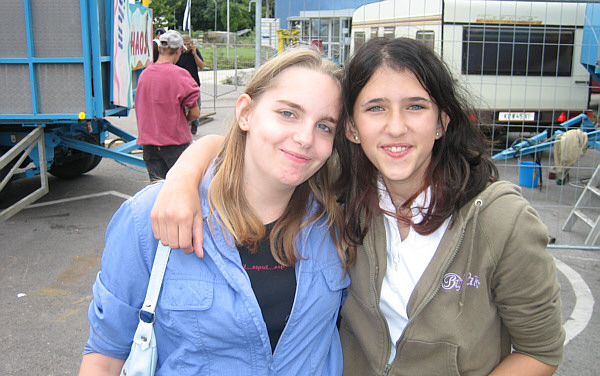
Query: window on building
point(303, 26)
point(318, 28)
point(426, 36)
point(335, 30)
point(517, 51)
point(389, 32)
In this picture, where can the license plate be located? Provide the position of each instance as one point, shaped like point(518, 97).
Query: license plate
point(518, 116)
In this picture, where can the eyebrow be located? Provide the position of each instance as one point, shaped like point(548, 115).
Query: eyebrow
point(301, 109)
point(417, 99)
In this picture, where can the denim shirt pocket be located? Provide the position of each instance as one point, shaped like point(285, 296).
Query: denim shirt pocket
point(182, 300)
point(187, 295)
point(337, 281)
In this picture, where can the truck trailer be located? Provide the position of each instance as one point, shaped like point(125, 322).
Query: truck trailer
point(66, 68)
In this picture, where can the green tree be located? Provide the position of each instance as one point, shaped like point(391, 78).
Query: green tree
point(203, 14)
point(163, 12)
point(239, 17)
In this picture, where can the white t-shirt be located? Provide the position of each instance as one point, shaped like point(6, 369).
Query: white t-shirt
point(406, 262)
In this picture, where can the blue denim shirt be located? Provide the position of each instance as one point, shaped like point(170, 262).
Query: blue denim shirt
point(208, 320)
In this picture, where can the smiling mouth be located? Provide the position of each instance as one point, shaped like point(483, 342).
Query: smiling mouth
point(396, 149)
point(298, 157)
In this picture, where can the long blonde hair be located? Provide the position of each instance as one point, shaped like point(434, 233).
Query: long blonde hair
point(226, 195)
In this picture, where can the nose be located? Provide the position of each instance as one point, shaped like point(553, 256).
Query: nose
point(304, 135)
point(396, 123)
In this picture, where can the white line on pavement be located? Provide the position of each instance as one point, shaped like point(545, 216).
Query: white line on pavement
point(584, 302)
point(93, 195)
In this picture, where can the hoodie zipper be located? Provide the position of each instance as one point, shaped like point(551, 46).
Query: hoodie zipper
point(437, 289)
point(372, 267)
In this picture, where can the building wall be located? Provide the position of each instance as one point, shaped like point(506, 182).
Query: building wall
point(291, 8)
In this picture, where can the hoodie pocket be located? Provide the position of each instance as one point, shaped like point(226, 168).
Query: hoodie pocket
point(426, 358)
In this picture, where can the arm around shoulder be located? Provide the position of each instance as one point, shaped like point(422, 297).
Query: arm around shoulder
point(176, 215)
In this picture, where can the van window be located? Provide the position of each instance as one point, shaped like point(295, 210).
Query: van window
point(426, 36)
point(374, 32)
point(517, 51)
point(389, 32)
point(359, 39)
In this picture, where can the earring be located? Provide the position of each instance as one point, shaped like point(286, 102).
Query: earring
point(355, 138)
point(437, 133)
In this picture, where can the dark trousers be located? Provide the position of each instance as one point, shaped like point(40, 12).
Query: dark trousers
point(160, 159)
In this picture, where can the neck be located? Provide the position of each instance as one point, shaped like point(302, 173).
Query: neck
point(268, 203)
point(399, 193)
point(162, 59)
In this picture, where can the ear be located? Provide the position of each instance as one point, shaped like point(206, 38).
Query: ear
point(351, 132)
point(242, 111)
point(443, 125)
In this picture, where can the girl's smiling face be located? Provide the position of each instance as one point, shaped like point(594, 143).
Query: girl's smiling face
point(290, 128)
point(397, 123)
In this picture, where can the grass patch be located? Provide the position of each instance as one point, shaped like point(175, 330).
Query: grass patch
point(245, 57)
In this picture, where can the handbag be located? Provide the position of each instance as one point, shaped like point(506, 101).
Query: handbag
point(143, 356)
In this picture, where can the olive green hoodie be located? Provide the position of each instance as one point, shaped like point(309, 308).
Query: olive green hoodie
point(490, 285)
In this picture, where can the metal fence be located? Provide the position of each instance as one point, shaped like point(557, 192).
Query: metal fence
point(521, 63)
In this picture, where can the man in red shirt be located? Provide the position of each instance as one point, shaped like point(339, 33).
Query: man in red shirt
point(165, 101)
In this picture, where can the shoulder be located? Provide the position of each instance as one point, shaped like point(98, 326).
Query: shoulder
point(500, 197)
point(144, 199)
point(507, 220)
point(134, 215)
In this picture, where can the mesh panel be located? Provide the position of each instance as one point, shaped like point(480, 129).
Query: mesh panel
point(60, 88)
point(57, 28)
point(15, 96)
point(13, 37)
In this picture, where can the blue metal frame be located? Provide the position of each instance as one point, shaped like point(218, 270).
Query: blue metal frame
point(91, 60)
point(544, 141)
point(61, 129)
point(590, 42)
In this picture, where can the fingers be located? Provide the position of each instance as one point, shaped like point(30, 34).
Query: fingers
point(184, 230)
point(155, 223)
point(198, 236)
point(172, 227)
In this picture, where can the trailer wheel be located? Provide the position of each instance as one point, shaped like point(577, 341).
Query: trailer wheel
point(70, 163)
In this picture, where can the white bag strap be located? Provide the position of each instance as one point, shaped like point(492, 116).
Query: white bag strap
point(156, 277)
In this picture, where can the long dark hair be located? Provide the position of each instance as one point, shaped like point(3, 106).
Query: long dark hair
point(460, 166)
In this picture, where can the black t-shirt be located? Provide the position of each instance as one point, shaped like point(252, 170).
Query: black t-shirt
point(187, 62)
point(274, 286)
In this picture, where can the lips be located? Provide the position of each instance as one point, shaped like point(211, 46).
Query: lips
point(296, 157)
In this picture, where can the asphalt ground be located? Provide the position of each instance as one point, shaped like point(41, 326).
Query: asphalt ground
point(50, 254)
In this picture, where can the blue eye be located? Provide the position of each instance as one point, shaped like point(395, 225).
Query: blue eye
point(324, 127)
point(287, 114)
point(375, 109)
point(415, 107)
